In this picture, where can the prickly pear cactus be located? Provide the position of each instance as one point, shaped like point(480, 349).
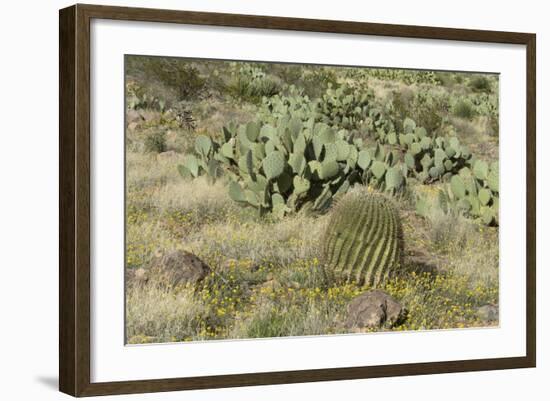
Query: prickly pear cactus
point(363, 241)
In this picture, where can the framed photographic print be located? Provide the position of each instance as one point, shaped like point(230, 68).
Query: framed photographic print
point(250, 200)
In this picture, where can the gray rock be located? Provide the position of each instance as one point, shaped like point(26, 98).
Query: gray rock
point(488, 313)
point(133, 116)
point(136, 276)
point(179, 268)
point(373, 310)
point(168, 155)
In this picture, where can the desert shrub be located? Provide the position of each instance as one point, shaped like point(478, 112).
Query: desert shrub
point(316, 79)
point(480, 83)
point(155, 142)
point(176, 74)
point(428, 108)
point(445, 79)
point(463, 108)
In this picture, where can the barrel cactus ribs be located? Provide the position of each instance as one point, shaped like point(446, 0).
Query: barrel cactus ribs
point(363, 241)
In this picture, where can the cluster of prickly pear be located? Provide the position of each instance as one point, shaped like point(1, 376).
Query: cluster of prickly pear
point(429, 159)
point(294, 105)
point(283, 168)
point(381, 169)
point(292, 165)
point(252, 83)
point(363, 240)
point(474, 192)
point(345, 106)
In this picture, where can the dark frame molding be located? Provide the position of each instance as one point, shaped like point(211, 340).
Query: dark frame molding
point(74, 199)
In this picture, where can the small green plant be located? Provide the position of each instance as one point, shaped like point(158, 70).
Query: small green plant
point(155, 142)
point(177, 74)
point(363, 242)
point(480, 83)
point(463, 108)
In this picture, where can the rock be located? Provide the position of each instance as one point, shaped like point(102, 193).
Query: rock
point(373, 310)
point(133, 116)
point(179, 268)
point(141, 275)
point(488, 313)
point(136, 276)
point(132, 126)
point(168, 155)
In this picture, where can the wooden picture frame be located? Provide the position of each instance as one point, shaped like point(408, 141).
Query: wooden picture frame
point(74, 199)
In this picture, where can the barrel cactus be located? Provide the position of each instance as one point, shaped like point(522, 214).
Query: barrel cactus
point(363, 241)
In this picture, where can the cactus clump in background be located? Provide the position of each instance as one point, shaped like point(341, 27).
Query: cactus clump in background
point(293, 165)
point(363, 241)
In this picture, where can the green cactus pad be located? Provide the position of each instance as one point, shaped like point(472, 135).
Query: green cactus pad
point(297, 162)
point(364, 159)
point(484, 196)
point(203, 144)
point(378, 169)
point(227, 150)
point(409, 161)
point(457, 186)
point(363, 242)
point(236, 193)
point(192, 165)
point(328, 169)
point(252, 131)
point(394, 178)
point(409, 125)
point(301, 185)
point(273, 164)
point(481, 169)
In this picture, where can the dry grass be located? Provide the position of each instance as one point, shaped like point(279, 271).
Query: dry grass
point(154, 314)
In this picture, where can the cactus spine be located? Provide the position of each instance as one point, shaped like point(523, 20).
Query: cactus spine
point(363, 242)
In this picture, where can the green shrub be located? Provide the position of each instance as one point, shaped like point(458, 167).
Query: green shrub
point(155, 142)
point(175, 73)
point(463, 108)
point(480, 83)
point(427, 108)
